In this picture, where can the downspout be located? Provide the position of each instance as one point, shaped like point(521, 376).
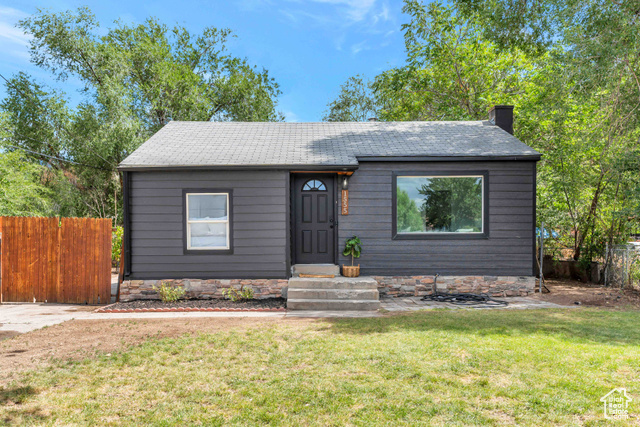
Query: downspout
point(126, 221)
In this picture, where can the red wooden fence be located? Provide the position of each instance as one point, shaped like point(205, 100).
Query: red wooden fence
point(64, 260)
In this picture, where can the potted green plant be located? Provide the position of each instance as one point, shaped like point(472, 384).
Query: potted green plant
point(353, 248)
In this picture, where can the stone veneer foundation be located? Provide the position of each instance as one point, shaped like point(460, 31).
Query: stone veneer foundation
point(203, 289)
point(389, 286)
point(497, 286)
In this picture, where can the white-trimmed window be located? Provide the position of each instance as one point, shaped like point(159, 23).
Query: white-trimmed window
point(208, 221)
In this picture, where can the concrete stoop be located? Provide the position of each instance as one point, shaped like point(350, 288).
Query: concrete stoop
point(339, 293)
point(319, 269)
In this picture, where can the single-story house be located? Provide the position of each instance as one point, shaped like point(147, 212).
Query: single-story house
point(212, 205)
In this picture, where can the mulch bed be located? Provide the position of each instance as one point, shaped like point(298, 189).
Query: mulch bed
point(154, 306)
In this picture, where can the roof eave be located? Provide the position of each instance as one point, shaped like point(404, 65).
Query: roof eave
point(141, 168)
point(516, 157)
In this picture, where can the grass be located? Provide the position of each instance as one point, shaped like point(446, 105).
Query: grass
point(530, 367)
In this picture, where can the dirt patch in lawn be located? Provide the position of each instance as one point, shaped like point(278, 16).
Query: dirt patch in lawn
point(7, 334)
point(80, 339)
point(570, 292)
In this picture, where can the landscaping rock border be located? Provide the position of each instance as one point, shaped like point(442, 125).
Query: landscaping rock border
point(107, 309)
point(195, 305)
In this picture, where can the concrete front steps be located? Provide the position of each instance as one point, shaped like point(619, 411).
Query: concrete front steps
point(317, 269)
point(339, 293)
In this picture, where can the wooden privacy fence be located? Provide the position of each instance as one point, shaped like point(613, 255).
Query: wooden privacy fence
point(64, 260)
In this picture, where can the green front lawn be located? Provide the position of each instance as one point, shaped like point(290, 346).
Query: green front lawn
point(532, 367)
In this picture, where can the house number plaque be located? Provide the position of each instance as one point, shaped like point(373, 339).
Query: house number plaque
point(345, 202)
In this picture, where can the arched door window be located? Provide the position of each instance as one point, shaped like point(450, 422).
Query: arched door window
point(314, 185)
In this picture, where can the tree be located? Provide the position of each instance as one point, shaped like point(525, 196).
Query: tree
point(22, 188)
point(585, 115)
point(136, 79)
point(451, 72)
point(571, 68)
point(355, 102)
point(408, 216)
point(155, 72)
point(451, 204)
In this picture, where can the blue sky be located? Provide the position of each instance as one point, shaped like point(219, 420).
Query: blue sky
point(309, 46)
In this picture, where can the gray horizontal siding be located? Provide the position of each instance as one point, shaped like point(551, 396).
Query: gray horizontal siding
point(507, 251)
point(260, 225)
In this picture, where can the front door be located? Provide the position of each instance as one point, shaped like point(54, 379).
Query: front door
point(314, 219)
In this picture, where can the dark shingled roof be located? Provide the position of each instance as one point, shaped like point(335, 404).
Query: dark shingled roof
point(218, 144)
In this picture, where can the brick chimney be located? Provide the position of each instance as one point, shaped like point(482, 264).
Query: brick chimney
point(502, 116)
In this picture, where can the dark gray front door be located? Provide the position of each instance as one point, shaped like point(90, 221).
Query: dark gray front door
point(314, 216)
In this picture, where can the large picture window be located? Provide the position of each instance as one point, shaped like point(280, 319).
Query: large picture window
point(439, 205)
point(207, 221)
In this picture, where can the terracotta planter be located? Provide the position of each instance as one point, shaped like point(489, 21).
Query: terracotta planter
point(351, 270)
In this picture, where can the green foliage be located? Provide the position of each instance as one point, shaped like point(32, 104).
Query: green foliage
point(408, 215)
point(571, 70)
point(237, 295)
point(136, 78)
point(582, 113)
point(355, 102)
point(441, 367)
point(22, 187)
point(450, 71)
point(116, 244)
point(447, 204)
point(169, 292)
point(451, 204)
point(634, 273)
point(352, 248)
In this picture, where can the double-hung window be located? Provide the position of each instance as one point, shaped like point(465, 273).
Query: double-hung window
point(207, 221)
point(440, 205)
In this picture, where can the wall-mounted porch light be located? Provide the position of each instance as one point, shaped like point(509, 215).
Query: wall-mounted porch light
point(345, 182)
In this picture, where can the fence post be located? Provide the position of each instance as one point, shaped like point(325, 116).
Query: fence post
point(606, 264)
point(625, 279)
point(541, 253)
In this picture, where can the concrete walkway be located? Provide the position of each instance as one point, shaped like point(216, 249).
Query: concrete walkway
point(414, 303)
point(25, 317)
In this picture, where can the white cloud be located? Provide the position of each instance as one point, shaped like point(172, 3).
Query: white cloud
point(253, 5)
point(356, 10)
point(342, 13)
point(295, 16)
point(290, 116)
point(8, 31)
point(13, 41)
point(383, 15)
point(12, 34)
point(359, 47)
point(9, 11)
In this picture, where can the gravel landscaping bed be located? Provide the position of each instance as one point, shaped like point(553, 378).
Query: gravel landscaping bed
point(268, 304)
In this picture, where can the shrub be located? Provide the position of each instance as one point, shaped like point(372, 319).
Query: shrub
point(237, 295)
point(169, 293)
point(116, 245)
